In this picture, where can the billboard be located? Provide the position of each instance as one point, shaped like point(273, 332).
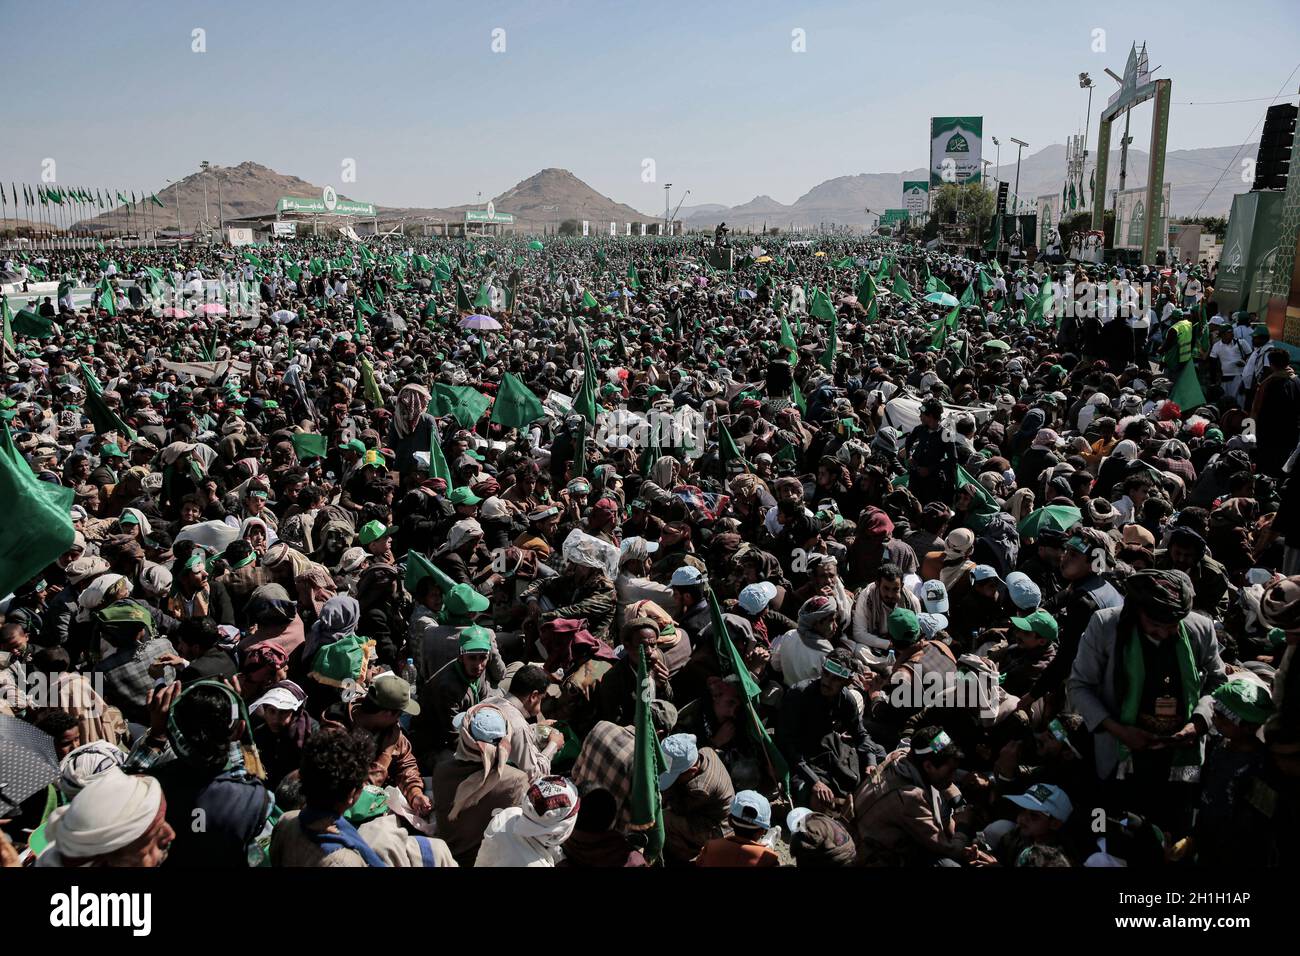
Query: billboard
point(892, 217)
point(284, 230)
point(1253, 228)
point(955, 144)
point(320, 207)
point(1131, 217)
point(916, 198)
point(240, 237)
point(1049, 219)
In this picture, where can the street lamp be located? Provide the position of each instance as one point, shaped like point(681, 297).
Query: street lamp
point(667, 214)
point(205, 166)
point(1020, 145)
point(176, 197)
point(997, 166)
point(1085, 82)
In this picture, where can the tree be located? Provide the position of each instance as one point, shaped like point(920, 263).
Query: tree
point(971, 201)
point(1218, 225)
point(570, 227)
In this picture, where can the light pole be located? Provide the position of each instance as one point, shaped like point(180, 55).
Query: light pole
point(667, 214)
point(205, 166)
point(221, 209)
point(176, 197)
point(1085, 82)
point(1020, 145)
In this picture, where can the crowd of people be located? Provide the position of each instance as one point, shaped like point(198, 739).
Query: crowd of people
point(392, 553)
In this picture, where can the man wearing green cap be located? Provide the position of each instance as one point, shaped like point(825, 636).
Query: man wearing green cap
point(456, 687)
point(1233, 757)
point(1034, 645)
point(436, 626)
point(377, 540)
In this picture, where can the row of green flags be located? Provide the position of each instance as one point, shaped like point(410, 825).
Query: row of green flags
point(69, 195)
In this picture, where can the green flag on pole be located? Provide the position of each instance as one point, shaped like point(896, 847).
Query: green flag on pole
point(438, 467)
point(645, 802)
point(902, 289)
point(516, 406)
point(820, 306)
point(734, 670)
point(37, 526)
point(101, 416)
point(1187, 393)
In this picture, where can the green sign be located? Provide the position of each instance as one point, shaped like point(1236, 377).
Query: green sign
point(891, 216)
point(318, 207)
point(489, 215)
point(916, 197)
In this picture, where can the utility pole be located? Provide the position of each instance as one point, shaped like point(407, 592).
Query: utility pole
point(205, 166)
point(667, 214)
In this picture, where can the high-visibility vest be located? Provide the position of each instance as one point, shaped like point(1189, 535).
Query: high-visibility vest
point(1183, 330)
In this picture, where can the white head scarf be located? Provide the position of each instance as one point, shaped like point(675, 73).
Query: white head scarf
point(87, 763)
point(112, 812)
point(530, 834)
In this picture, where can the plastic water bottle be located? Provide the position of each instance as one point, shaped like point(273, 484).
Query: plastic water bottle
point(408, 672)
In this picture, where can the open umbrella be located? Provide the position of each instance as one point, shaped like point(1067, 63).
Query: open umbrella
point(818, 254)
point(481, 322)
point(27, 762)
point(536, 246)
point(171, 313)
point(1058, 517)
point(943, 299)
point(212, 308)
point(763, 259)
point(997, 345)
point(747, 294)
point(284, 316)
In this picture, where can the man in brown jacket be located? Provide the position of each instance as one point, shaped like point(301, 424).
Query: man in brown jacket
point(378, 715)
point(697, 794)
point(902, 813)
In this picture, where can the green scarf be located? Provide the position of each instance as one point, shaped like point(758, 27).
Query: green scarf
point(1135, 677)
point(475, 686)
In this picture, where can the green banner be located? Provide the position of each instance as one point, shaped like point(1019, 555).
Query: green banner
point(955, 147)
point(318, 207)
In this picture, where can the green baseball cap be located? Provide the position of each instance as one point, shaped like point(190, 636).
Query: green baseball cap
point(1243, 700)
point(1040, 623)
point(372, 531)
point(462, 600)
point(475, 640)
point(904, 628)
point(463, 496)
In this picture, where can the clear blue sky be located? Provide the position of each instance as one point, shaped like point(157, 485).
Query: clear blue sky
point(709, 89)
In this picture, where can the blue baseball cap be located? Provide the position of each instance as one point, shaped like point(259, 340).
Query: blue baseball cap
point(682, 752)
point(1045, 798)
point(985, 572)
point(486, 725)
point(1024, 593)
point(751, 809)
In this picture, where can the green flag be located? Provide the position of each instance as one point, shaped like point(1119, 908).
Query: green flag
point(633, 282)
point(483, 300)
point(727, 451)
point(787, 338)
point(796, 395)
point(463, 303)
point(105, 298)
point(438, 467)
point(37, 526)
point(902, 289)
point(364, 308)
point(30, 325)
point(983, 505)
point(968, 297)
point(309, 445)
point(827, 361)
point(419, 567)
point(820, 306)
point(1187, 393)
point(589, 300)
point(845, 263)
point(584, 403)
point(101, 416)
point(7, 314)
point(645, 802)
point(516, 406)
point(734, 670)
point(865, 289)
point(463, 402)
